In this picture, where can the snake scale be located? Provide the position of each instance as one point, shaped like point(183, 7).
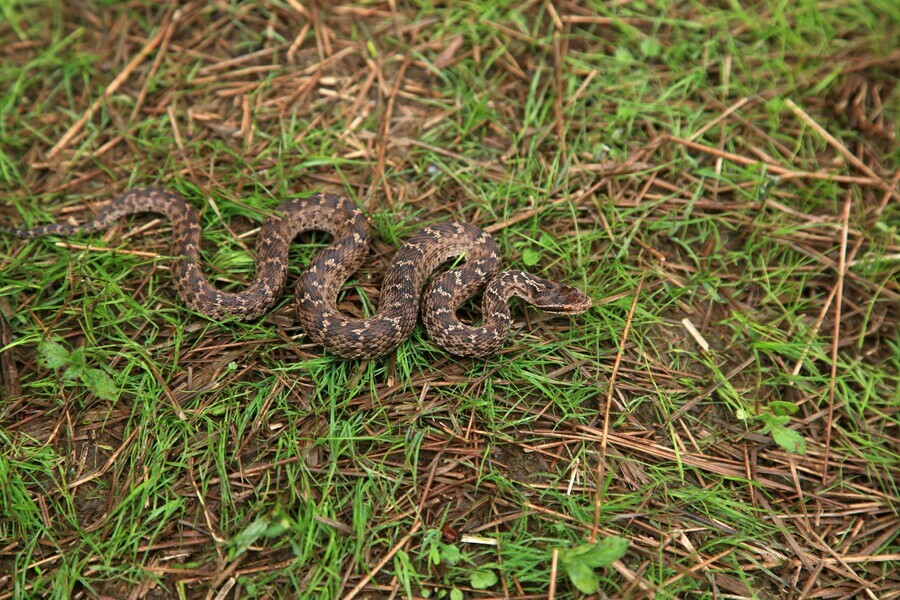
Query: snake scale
point(319, 285)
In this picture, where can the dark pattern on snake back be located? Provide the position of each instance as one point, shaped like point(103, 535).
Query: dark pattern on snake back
point(319, 285)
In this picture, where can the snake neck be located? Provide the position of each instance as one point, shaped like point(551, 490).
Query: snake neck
point(459, 338)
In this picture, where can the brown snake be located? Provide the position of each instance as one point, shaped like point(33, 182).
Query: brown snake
point(319, 285)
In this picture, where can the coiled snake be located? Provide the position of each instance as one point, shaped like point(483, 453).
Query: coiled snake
point(319, 285)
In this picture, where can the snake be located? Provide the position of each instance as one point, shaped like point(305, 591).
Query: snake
point(407, 285)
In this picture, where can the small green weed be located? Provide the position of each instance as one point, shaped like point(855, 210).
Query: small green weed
point(271, 525)
point(54, 355)
point(579, 562)
point(445, 556)
point(774, 418)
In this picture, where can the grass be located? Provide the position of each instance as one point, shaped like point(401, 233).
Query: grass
point(673, 159)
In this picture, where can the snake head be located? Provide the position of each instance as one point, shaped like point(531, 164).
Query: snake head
point(562, 299)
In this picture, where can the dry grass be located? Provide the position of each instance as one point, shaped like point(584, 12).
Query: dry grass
point(724, 184)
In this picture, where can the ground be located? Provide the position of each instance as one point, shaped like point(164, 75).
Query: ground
point(721, 180)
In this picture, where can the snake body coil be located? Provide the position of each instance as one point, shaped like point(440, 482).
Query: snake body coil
point(319, 285)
